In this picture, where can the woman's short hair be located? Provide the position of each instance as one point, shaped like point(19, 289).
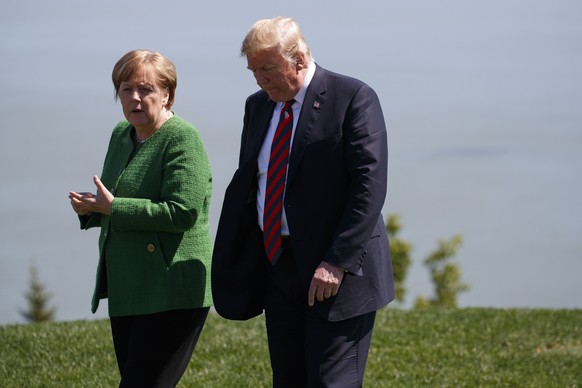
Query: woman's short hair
point(145, 60)
point(279, 32)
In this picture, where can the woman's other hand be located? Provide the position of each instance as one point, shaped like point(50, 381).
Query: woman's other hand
point(80, 206)
point(85, 204)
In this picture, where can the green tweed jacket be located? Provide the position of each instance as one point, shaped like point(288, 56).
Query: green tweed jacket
point(155, 248)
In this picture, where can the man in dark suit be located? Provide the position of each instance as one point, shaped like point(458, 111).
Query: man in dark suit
point(301, 235)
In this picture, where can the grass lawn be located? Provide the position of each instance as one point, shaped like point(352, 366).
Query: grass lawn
point(417, 348)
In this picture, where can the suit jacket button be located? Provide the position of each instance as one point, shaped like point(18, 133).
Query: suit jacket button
point(151, 248)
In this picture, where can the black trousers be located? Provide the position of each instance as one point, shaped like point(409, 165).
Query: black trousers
point(154, 350)
point(305, 349)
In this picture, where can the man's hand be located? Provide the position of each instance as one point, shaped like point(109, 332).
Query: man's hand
point(325, 283)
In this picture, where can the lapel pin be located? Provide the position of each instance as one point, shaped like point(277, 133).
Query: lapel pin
point(316, 105)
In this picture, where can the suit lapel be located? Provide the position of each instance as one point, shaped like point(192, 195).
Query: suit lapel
point(312, 105)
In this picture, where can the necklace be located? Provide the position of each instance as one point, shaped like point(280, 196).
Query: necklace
point(144, 140)
point(169, 115)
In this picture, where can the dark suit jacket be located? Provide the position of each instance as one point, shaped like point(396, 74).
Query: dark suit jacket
point(336, 186)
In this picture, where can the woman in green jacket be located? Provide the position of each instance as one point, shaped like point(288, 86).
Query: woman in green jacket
point(152, 204)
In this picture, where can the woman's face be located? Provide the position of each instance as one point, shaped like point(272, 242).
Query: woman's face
point(143, 101)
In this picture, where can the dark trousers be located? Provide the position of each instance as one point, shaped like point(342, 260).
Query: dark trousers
point(154, 350)
point(305, 349)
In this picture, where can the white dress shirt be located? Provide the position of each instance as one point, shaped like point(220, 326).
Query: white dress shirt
point(265, 152)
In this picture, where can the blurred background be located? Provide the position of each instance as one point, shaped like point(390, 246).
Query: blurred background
point(483, 102)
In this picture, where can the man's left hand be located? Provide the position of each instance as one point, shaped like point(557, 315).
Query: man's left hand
point(325, 283)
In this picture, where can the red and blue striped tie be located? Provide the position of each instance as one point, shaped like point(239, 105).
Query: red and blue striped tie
point(276, 176)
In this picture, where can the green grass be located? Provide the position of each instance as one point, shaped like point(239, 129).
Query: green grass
point(428, 348)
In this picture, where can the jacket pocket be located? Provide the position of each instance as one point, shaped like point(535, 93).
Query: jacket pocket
point(155, 250)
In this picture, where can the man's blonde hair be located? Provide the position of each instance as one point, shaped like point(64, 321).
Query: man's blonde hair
point(280, 32)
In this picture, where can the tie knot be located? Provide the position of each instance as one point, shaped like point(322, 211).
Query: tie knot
point(288, 104)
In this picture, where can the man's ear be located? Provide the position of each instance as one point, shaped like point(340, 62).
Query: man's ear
point(300, 62)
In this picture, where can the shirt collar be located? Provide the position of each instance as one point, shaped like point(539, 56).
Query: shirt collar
point(300, 96)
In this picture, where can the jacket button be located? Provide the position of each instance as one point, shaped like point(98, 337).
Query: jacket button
point(151, 248)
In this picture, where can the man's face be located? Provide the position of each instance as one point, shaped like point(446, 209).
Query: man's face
point(278, 77)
